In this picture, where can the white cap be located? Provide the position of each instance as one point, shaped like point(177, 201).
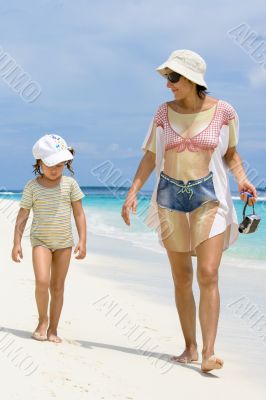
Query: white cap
point(186, 63)
point(52, 150)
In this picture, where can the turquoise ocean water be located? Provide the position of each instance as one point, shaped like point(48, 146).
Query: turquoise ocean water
point(103, 209)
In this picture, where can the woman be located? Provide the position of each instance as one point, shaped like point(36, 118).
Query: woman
point(192, 144)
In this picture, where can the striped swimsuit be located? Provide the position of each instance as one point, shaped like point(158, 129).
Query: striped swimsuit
point(51, 224)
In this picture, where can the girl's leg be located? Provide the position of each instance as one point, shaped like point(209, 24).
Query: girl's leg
point(60, 263)
point(209, 255)
point(182, 273)
point(41, 259)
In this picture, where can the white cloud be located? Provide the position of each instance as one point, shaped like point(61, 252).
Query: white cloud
point(258, 144)
point(114, 147)
point(257, 77)
point(98, 152)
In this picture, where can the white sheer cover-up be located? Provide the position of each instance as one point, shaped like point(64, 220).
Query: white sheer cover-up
point(225, 218)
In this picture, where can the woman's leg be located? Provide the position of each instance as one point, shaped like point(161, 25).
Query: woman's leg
point(209, 255)
point(182, 273)
point(60, 263)
point(41, 259)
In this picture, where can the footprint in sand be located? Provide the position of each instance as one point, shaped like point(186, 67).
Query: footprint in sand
point(150, 329)
point(72, 341)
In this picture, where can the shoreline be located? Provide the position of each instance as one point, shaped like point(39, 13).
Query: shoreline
point(242, 253)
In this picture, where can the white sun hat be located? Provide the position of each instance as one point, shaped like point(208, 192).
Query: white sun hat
point(187, 63)
point(51, 149)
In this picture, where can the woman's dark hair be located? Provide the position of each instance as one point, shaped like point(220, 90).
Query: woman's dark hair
point(37, 166)
point(201, 91)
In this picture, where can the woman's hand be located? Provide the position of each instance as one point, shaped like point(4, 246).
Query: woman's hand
point(144, 170)
point(246, 186)
point(130, 203)
point(235, 164)
point(17, 254)
point(81, 250)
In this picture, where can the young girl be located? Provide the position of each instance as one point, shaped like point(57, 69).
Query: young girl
point(52, 196)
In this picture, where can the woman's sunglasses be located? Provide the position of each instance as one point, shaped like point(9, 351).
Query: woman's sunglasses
point(173, 77)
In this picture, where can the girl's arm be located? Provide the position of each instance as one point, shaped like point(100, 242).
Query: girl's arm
point(21, 222)
point(80, 221)
point(234, 162)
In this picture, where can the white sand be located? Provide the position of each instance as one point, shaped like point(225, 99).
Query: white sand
point(113, 305)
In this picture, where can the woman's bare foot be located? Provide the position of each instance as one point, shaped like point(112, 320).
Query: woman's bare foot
point(40, 331)
point(52, 337)
point(211, 363)
point(188, 356)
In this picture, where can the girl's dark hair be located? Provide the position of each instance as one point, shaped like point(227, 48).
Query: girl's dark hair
point(201, 91)
point(37, 166)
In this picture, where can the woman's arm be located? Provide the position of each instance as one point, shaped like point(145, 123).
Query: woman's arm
point(145, 168)
point(21, 222)
point(80, 221)
point(235, 164)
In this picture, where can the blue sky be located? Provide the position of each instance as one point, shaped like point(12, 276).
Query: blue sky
point(95, 63)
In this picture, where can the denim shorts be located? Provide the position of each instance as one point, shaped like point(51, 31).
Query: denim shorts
point(175, 195)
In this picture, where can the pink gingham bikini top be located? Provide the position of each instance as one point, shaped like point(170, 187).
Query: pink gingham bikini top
point(207, 139)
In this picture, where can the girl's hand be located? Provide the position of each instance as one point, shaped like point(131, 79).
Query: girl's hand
point(246, 186)
point(130, 203)
point(81, 249)
point(17, 254)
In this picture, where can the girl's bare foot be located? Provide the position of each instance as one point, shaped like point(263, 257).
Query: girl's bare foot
point(40, 331)
point(188, 356)
point(211, 363)
point(52, 337)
